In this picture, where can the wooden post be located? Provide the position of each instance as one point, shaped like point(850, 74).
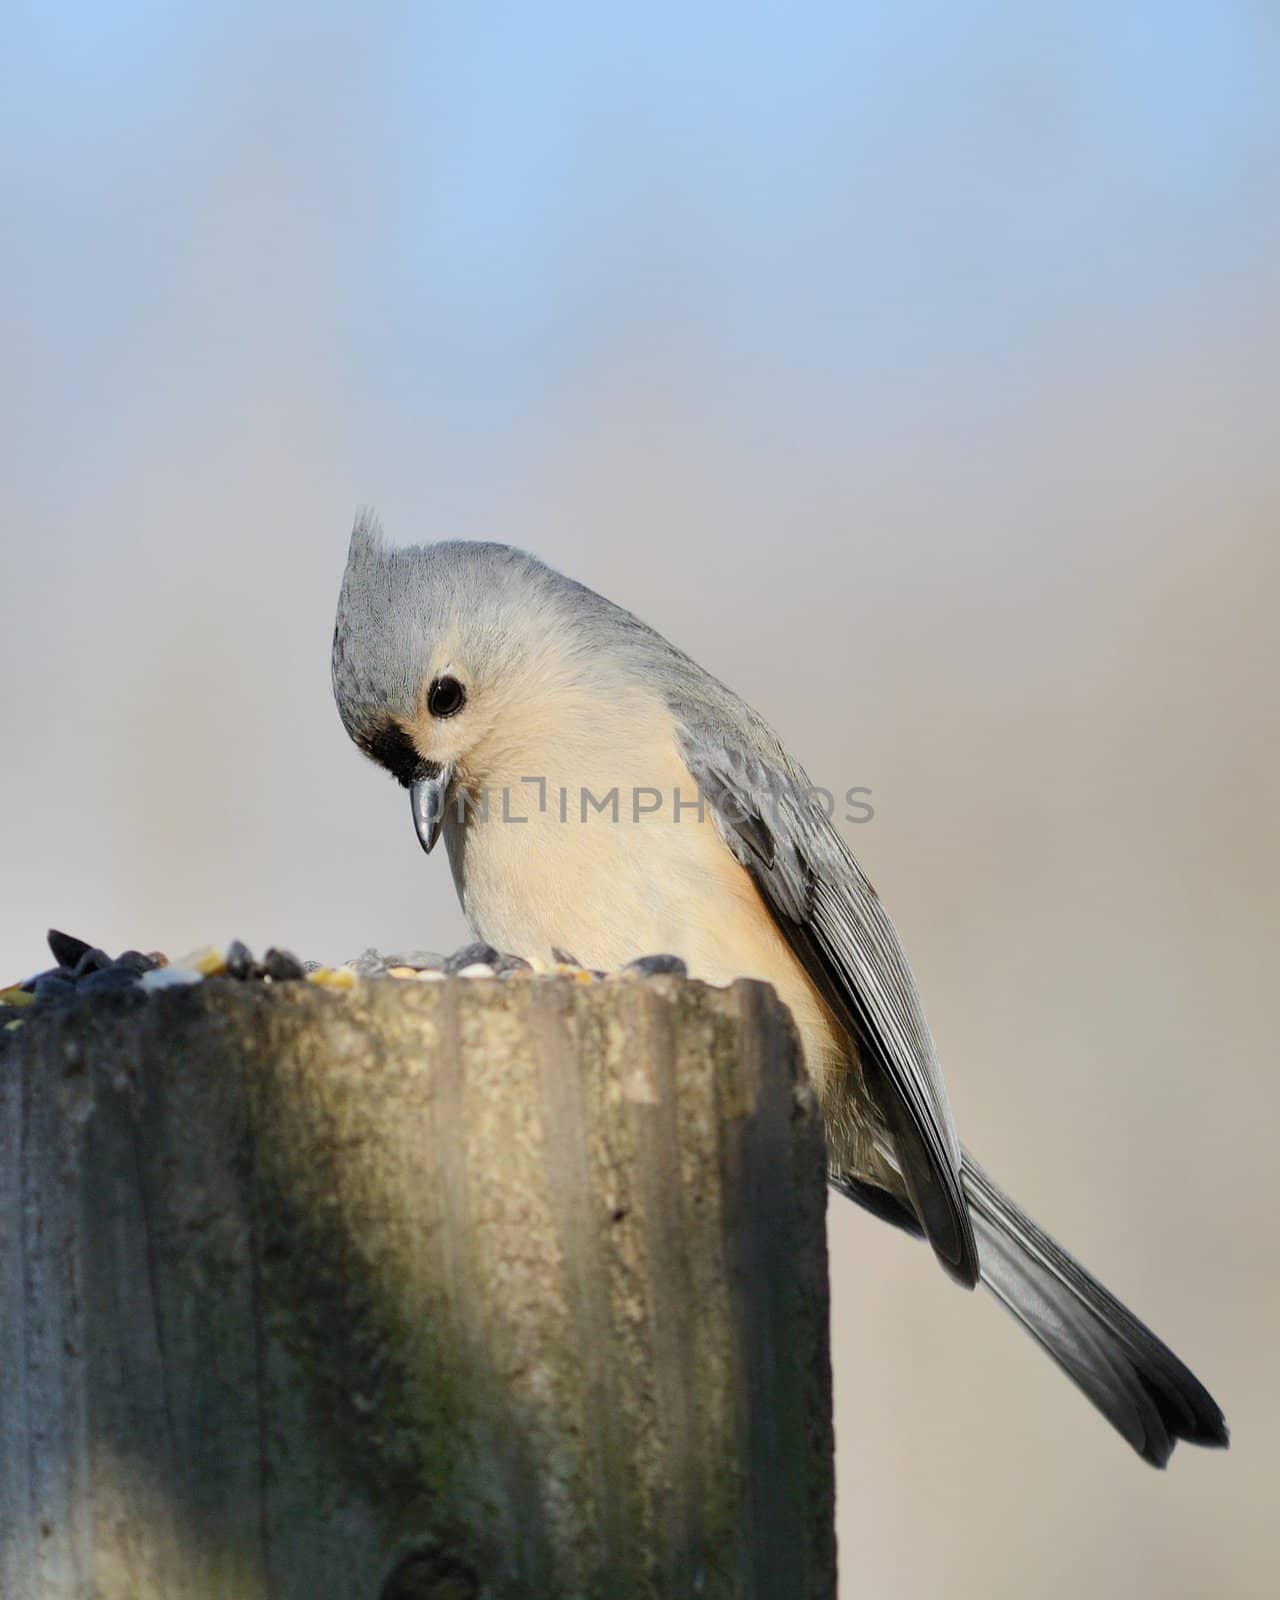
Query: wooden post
point(475, 1288)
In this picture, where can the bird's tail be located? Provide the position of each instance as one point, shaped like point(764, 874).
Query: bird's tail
point(1137, 1382)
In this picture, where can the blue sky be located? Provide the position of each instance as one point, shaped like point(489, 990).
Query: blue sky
point(817, 186)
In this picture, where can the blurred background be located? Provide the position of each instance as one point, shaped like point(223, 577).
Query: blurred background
point(916, 368)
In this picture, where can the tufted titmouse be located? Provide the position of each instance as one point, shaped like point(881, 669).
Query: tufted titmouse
point(600, 793)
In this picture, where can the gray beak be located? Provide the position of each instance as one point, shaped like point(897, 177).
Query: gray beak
point(428, 796)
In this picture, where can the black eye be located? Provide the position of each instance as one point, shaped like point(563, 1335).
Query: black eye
point(446, 697)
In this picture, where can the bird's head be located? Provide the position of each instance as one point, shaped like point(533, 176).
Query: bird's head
point(449, 660)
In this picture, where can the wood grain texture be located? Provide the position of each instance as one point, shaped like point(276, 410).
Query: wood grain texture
point(473, 1288)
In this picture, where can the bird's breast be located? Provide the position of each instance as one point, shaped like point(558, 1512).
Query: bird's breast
point(626, 861)
point(606, 864)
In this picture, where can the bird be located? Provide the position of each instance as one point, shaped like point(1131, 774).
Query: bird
point(599, 793)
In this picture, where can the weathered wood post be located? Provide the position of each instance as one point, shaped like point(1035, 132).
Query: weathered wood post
point(477, 1288)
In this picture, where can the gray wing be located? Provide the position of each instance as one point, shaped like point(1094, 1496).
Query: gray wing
point(833, 920)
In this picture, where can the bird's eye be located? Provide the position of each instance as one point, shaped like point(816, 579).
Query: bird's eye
point(446, 697)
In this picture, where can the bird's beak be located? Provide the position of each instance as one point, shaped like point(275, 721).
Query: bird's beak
point(428, 796)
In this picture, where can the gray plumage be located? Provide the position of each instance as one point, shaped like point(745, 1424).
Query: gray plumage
point(550, 667)
point(393, 601)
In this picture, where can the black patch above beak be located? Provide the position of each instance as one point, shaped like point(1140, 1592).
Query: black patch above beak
point(391, 747)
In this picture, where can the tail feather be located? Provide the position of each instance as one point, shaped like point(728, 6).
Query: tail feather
point(1137, 1382)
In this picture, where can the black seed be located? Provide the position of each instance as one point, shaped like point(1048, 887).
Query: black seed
point(469, 956)
point(240, 962)
point(53, 986)
point(135, 961)
point(505, 965)
point(52, 972)
point(657, 966)
point(67, 949)
point(282, 967)
point(108, 978)
point(563, 957)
